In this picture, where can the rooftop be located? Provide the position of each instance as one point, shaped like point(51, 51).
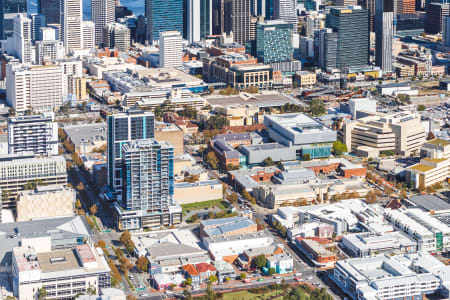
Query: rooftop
point(86, 133)
point(58, 260)
point(438, 142)
point(260, 100)
point(430, 202)
point(421, 168)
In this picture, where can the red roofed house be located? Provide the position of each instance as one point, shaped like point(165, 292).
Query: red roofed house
point(205, 270)
point(191, 272)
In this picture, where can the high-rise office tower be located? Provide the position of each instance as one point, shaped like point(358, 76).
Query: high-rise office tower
point(325, 44)
point(71, 24)
point(125, 127)
point(384, 31)
point(403, 7)
point(286, 10)
point(8, 10)
point(163, 15)
point(116, 36)
point(170, 49)
point(192, 27)
point(217, 17)
point(22, 38)
point(48, 47)
point(197, 19)
point(435, 13)
point(88, 30)
point(274, 41)
point(103, 13)
point(237, 18)
point(352, 27)
point(37, 134)
point(37, 21)
point(51, 10)
point(446, 32)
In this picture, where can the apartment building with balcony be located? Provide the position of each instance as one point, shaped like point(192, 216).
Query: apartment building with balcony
point(37, 133)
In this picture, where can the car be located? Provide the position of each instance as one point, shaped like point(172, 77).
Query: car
point(277, 277)
point(144, 295)
point(260, 279)
point(131, 277)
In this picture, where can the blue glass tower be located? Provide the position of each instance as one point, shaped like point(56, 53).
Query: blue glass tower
point(163, 15)
point(8, 10)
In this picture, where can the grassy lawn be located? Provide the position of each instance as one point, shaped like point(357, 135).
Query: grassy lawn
point(219, 203)
point(245, 295)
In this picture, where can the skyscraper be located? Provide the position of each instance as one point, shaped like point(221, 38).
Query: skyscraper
point(325, 41)
point(103, 13)
point(122, 128)
point(274, 41)
point(286, 10)
point(51, 10)
point(404, 7)
point(163, 15)
point(8, 10)
point(446, 32)
point(22, 38)
point(37, 21)
point(352, 27)
point(71, 23)
point(205, 18)
point(435, 13)
point(88, 29)
point(384, 23)
point(170, 49)
point(237, 17)
point(192, 28)
point(148, 186)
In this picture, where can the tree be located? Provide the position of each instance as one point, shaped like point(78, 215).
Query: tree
point(101, 244)
point(5, 195)
point(260, 261)
point(188, 281)
point(233, 197)
point(93, 209)
point(371, 197)
point(339, 148)
point(431, 136)
point(243, 276)
point(80, 186)
point(131, 297)
point(251, 89)
point(142, 264)
point(125, 237)
point(91, 290)
point(306, 157)
point(317, 107)
point(125, 265)
point(42, 293)
point(212, 160)
point(268, 162)
point(217, 122)
point(78, 204)
point(187, 294)
point(421, 107)
point(271, 271)
point(211, 89)
point(212, 278)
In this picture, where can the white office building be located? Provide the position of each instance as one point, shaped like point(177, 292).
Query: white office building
point(193, 20)
point(38, 134)
point(22, 38)
point(71, 24)
point(39, 88)
point(103, 13)
point(408, 276)
point(170, 49)
point(88, 29)
point(431, 234)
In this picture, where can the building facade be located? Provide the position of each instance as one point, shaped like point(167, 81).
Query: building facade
point(18, 170)
point(8, 10)
point(274, 42)
point(38, 134)
point(148, 185)
point(117, 36)
point(163, 15)
point(352, 28)
point(122, 128)
point(51, 10)
point(71, 23)
point(170, 49)
point(384, 24)
point(103, 12)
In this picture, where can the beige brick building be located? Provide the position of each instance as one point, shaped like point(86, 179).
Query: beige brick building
point(45, 202)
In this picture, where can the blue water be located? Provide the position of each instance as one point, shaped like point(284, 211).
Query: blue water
point(136, 6)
